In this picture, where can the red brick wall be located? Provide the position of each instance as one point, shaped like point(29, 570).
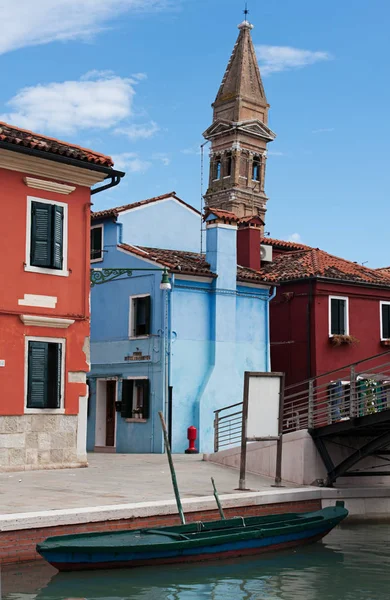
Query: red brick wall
point(19, 546)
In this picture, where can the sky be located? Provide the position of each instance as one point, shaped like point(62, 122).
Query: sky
point(135, 79)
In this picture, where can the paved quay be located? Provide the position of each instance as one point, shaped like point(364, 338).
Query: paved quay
point(117, 479)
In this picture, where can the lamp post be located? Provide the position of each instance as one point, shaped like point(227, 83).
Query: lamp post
point(99, 276)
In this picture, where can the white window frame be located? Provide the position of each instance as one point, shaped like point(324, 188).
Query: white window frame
point(381, 303)
point(346, 299)
point(44, 270)
point(44, 411)
point(136, 378)
point(95, 260)
point(132, 320)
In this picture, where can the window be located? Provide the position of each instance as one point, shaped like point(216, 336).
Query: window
point(338, 316)
point(385, 320)
point(140, 316)
point(44, 374)
point(256, 168)
point(96, 243)
point(135, 399)
point(217, 174)
point(46, 244)
point(229, 164)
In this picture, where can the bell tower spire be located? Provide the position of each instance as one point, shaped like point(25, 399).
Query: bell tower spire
point(239, 134)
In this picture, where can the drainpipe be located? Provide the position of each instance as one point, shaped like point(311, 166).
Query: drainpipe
point(267, 328)
point(309, 344)
point(169, 358)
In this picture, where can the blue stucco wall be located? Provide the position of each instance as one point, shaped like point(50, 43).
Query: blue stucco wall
point(163, 224)
point(217, 330)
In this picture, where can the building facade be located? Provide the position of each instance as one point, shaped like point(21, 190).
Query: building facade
point(45, 195)
point(182, 351)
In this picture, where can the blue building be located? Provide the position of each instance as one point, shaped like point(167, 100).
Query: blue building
point(184, 351)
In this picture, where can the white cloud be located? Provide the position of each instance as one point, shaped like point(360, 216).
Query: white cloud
point(130, 162)
point(323, 130)
point(139, 132)
point(163, 157)
point(34, 22)
point(295, 237)
point(98, 101)
point(274, 59)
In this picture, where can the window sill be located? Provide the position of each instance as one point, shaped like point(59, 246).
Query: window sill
point(44, 271)
point(44, 411)
point(139, 337)
point(136, 420)
point(95, 260)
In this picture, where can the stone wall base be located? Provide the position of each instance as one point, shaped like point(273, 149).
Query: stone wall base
point(39, 441)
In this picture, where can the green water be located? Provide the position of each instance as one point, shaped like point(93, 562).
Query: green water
point(352, 563)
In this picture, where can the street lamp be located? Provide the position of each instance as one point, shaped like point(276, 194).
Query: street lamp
point(99, 276)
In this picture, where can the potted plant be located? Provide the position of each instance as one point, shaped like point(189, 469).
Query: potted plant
point(342, 339)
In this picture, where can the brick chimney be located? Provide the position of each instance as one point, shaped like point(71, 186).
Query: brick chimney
point(248, 242)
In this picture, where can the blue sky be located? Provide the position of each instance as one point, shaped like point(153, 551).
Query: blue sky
point(135, 79)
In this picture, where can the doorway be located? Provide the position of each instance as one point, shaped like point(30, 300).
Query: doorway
point(106, 395)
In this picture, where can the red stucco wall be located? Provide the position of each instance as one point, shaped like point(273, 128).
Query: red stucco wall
point(72, 292)
point(289, 323)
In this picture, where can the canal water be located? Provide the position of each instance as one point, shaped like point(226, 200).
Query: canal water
point(352, 563)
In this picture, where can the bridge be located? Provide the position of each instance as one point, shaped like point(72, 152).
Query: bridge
point(348, 408)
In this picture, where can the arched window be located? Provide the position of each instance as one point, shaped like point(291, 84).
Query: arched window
point(217, 169)
point(256, 168)
point(229, 164)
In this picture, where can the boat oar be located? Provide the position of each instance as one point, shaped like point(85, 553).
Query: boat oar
point(172, 469)
point(222, 514)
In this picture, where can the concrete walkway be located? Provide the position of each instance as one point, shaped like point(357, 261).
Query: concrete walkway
point(113, 479)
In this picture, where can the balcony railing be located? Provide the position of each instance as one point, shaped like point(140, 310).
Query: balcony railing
point(227, 426)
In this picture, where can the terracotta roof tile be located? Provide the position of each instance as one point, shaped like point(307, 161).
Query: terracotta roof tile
point(29, 139)
point(113, 212)
point(283, 245)
point(225, 215)
point(189, 263)
point(313, 262)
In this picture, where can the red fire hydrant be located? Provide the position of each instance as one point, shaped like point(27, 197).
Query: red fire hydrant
point(191, 436)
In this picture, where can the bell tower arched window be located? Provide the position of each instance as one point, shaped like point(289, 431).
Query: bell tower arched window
point(256, 168)
point(229, 164)
point(217, 168)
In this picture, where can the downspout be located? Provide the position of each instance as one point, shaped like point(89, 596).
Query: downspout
point(267, 328)
point(169, 409)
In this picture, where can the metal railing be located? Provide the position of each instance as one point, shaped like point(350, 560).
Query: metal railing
point(355, 390)
point(227, 426)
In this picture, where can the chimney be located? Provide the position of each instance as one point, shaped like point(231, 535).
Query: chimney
point(221, 246)
point(248, 242)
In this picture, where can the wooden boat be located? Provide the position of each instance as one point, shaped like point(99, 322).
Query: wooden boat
point(190, 542)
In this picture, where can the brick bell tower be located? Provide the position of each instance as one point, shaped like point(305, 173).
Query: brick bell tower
point(239, 134)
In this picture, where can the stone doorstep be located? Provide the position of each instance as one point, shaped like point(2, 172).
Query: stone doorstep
point(71, 516)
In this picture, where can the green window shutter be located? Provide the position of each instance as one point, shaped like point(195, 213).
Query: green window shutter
point(338, 309)
point(127, 399)
point(41, 225)
point(146, 399)
point(37, 375)
point(54, 364)
point(58, 235)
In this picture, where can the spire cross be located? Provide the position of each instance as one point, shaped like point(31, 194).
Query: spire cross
point(246, 11)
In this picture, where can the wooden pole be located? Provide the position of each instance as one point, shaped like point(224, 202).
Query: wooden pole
point(172, 469)
point(222, 514)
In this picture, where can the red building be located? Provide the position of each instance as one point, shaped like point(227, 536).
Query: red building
point(45, 199)
point(327, 312)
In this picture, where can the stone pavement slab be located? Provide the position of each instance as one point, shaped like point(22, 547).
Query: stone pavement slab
point(113, 479)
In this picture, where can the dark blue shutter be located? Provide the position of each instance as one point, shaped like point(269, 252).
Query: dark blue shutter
point(386, 321)
point(337, 314)
point(58, 235)
point(127, 399)
point(41, 234)
point(96, 243)
point(54, 365)
point(148, 308)
point(37, 374)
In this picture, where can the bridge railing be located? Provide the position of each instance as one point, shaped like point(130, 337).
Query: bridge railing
point(227, 426)
point(355, 390)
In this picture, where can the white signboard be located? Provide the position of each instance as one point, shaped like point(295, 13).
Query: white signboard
point(263, 405)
